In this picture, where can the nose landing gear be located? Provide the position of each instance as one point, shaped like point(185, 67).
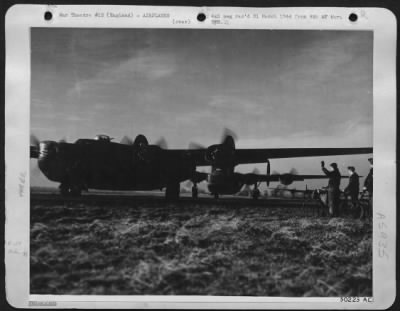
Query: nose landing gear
point(195, 191)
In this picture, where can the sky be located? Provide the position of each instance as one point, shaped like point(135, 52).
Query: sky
point(273, 88)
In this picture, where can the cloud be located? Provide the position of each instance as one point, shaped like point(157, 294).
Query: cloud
point(76, 118)
point(234, 102)
point(145, 67)
point(151, 66)
point(354, 133)
point(37, 103)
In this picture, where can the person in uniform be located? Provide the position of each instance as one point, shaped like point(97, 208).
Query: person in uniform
point(353, 188)
point(368, 183)
point(333, 187)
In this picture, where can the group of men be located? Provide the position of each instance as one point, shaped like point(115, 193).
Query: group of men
point(352, 189)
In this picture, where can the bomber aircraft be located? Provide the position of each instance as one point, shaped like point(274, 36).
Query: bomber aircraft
point(102, 164)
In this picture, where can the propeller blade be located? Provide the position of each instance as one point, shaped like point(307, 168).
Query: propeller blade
point(228, 132)
point(188, 184)
point(126, 140)
point(162, 143)
point(268, 171)
point(256, 171)
point(293, 171)
point(34, 141)
point(34, 152)
point(196, 146)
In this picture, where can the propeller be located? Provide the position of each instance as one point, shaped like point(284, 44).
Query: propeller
point(162, 143)
point(228, 133)
point(126, 140)
point(288, 178)
point(196, 146)
point(285, 178)
point(34, 141)
point(222, 155)
point(256, 171)
point(34, 146)
point(188, 184)
point(293, 171)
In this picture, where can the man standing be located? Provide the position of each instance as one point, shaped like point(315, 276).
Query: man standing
point(353, 188)
point(333, 187)
point(368, 183)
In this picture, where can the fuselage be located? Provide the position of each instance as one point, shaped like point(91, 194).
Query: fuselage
point(93, 164)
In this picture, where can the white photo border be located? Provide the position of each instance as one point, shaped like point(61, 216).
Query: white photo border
point(19, 20)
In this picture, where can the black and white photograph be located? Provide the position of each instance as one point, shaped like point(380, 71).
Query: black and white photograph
point(200, 157)
point(223, 162)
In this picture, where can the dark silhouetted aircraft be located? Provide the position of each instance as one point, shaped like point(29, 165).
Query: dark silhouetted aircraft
point(100, 163)
point(219, 183)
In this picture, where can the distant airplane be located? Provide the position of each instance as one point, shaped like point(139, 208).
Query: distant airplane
point(219, 183)
point(102, 164)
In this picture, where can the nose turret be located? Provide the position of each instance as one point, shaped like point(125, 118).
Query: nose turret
point(47, 149)
point(49, 162)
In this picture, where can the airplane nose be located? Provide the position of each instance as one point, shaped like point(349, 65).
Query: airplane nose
point(49, 161)
point(47, 149)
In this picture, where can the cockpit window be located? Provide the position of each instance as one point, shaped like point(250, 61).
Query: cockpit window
point(102, 137)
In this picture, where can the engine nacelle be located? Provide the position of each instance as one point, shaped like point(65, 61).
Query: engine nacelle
point(286, 179)
point(140, 140)
point(222, 155)
point(142, 150)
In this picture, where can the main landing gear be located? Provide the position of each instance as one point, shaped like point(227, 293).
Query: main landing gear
point(195, 191)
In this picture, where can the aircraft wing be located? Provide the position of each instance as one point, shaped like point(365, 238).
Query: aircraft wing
point(252, 178)
point(243, 156)
point(304, 177)
point(247, 156)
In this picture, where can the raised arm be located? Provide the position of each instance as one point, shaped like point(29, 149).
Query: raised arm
point(327, 173)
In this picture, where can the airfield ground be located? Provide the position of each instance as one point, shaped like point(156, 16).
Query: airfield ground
point(151, 247)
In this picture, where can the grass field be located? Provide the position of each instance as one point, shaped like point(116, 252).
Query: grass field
point(197, 250)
